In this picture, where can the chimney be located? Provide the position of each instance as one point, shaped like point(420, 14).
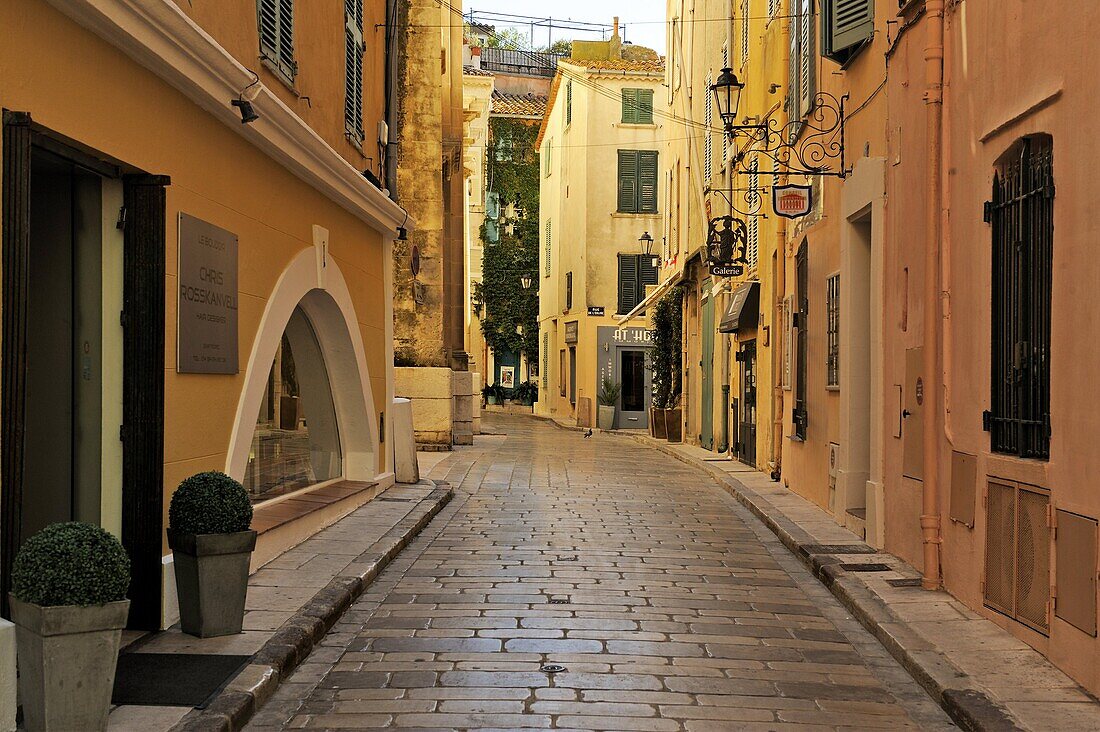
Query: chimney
point(615, 26)
point(615, 45)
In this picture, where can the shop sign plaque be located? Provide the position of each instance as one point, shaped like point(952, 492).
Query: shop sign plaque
point(206, 312)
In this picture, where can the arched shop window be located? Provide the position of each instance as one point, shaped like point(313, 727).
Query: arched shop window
point(297, 440)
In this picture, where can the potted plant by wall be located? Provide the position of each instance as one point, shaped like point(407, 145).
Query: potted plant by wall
point(68, 602)
point(660, 365)
point(674, 415)
point(527, 393)
point(608, 398)
point(493, 393)
point(212, 545)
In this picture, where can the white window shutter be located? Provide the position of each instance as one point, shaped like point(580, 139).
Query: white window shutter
point(807, 61)
point(708, 140)
point(286, 38)
point(752, 246)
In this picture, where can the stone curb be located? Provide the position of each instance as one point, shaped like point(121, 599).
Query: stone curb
point(949, 686)
point(293, 642)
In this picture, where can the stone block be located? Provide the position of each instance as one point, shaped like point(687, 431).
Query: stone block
point(404, 441)
point(430, 391)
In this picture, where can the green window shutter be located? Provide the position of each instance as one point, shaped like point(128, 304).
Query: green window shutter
point(353, 69)
point(630, 106)
point(268, 19)
point(645, 106)
point(647, 181)
point(846, 24)
point(628, 282)
point(286, 38)
point(628, 181)
point(647, 275)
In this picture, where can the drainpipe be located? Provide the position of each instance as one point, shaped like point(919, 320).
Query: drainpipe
point(778, 334)
point(933, 100)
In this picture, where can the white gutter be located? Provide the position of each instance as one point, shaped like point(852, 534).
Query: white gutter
point(660, 290)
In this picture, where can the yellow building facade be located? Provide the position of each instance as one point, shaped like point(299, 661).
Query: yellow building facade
point(601, 191)
point(229, 269)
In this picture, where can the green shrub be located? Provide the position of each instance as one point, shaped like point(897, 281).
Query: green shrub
point(609, 392)
point(209, 503)
point(71, 564)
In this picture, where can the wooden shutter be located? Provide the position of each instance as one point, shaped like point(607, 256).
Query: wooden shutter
point(849, 23)
point(708, 139)
point(568, 101)
point(548, 249)
point(645, 106)
point(752, 246)
point(628, 180)
point(647, 275)
point(268, 12)
point(647, 181)
point(628, 282)
point(793, 65)
point(286, 38)
point(630, 106)
point(744, 32)
point(807, 59)
point(353, 68)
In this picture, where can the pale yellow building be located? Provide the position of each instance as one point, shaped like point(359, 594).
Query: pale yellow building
point(601, 190)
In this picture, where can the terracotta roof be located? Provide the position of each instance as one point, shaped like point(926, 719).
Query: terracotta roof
point(653, 66)
point(475, 71)
point(518, 105)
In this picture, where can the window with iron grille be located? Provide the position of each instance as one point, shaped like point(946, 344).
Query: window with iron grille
point(353, 70)
point(799, 416)
point(635, 272)
point(275, 19)
point(1021, 215)
point(832, 333)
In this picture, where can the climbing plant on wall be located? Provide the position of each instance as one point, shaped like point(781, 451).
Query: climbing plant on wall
point(509, 314)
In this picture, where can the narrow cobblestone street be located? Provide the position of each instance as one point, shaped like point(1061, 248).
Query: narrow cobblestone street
point(669, 605)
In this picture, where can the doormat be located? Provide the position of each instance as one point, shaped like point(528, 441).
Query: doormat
point(173, 679)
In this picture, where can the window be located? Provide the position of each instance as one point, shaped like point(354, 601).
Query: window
point(568, 290)
point(546, 156)
point(503, 146)
point(846, 26)
point(568, 101)
point(635, 272)
point(1022, 217)
point(752, 246)
point(547, 247)
point(637, 106)
point(638, 181)
point(832, 333)
point(744, 33)
point(708, 138)
point(353, 69)
point(561, 373)
point(297, 441)
point(276, 23)
point(545, 358)
point(799, 416)
point(802, 72)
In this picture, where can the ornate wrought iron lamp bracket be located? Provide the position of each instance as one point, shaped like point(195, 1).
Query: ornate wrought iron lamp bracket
point(812, 146)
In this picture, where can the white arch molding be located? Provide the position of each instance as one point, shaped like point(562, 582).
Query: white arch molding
point(313, 281)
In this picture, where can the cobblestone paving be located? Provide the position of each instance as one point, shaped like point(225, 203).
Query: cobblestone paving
point(669, 605)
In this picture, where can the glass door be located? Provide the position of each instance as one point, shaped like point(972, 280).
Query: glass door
point(633, 401)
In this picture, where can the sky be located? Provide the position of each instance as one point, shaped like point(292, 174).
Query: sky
point(643, 19)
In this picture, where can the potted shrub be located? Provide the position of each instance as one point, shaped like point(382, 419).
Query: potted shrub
point(493, 394)
point(674, 427)
point(68, 602)
point(527, 393)
point(212, 545)
point(608, 398)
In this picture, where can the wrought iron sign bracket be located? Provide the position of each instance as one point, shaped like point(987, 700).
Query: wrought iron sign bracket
point(807, 146)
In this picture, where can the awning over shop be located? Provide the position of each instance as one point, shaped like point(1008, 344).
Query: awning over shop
point(657, 293)
point(744, 308)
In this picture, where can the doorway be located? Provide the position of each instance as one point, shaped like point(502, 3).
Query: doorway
point(633, 399)
point(746, 419)
point(706, 371)
point(854, 313)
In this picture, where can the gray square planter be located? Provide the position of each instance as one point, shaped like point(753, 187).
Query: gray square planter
point(212, 580)
point(67, 656)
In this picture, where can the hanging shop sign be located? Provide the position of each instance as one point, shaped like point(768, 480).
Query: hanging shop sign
point(792, 201)
point(726, 246)
point(206, 312)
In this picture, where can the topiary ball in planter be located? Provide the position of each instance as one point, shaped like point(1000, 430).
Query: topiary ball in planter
point(209, 503)
point(71, 564)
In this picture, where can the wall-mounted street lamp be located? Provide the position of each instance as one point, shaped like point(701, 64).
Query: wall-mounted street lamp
point(526, 281)
point(727, 96)
point(646, 242)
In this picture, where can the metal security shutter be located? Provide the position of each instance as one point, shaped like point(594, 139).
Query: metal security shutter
point(628, 282)
point(353, 69)
point(628, 181)
point(846, 24)
point(647, 181)
point(276, 26)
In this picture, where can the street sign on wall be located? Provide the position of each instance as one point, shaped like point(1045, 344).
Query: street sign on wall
point(206, 313)
point(595, 311)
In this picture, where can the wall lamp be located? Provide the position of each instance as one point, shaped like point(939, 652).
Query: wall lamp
point(248, 112)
